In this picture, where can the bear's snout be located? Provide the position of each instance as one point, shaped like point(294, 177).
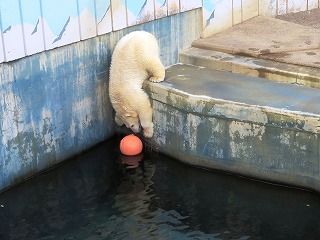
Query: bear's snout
point(135, 129)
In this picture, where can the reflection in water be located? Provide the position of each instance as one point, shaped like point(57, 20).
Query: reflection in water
point(131, 161)
point(104, 195)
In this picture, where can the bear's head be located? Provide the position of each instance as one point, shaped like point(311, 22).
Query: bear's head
point(132, 121)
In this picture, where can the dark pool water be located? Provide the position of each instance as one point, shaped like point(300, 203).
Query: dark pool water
point(95, 196)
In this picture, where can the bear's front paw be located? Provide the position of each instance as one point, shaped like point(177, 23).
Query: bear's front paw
point(148, 132)
point(156, 79)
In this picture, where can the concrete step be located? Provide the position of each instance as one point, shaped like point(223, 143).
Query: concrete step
point(251, 66)
point(270, 39)
point(245, 125)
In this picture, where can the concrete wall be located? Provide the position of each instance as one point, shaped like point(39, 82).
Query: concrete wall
point(263, 142)
point(33, 26)
point(255, 150)
point(55, 104)
point(222, 14)
point(273, 8)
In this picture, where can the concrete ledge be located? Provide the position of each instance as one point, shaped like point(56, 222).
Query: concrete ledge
point(255, 67)
point(239, 124)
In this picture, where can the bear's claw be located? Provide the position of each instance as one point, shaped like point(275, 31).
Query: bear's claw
point(156, 79)
point(148, 132)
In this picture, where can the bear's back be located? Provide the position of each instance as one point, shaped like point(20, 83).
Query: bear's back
point(131, 58)
point(134, 48)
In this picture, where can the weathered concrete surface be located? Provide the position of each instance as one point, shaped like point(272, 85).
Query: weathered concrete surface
point(55, 104)
point(310, 18)
point(255, 67)
point(269, 38)
point(235, 123)
point(307, 57)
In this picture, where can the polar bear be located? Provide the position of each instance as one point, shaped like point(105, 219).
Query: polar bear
point(135, 59)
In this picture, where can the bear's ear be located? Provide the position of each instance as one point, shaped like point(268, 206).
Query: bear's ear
point(131, 114)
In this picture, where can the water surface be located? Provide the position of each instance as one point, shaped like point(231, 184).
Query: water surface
point(96, 196)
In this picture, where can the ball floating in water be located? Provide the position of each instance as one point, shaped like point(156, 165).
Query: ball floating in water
point(130, 145)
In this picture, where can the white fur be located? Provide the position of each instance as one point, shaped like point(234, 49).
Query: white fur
point(135, 59)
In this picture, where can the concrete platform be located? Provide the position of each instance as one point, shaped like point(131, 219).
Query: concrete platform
point(242, 89)
point(245, 125)
point(268, 38)
point(254, 67)
point(310, 18)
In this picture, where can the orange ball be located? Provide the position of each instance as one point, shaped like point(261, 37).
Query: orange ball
point(131, 145)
